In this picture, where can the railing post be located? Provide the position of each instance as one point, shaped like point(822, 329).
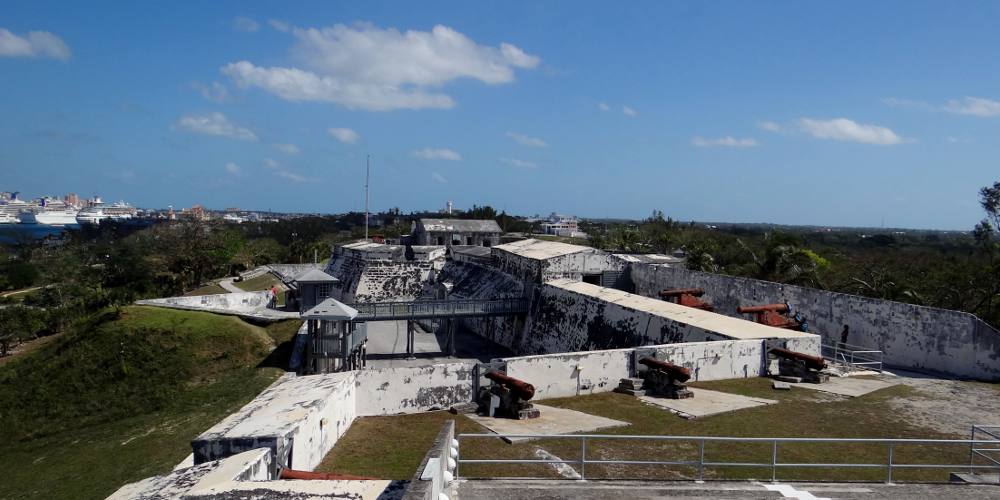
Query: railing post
point(888, 475)
point(583, 458)
point(774, 461)
point(701, 460)
point(972, 449)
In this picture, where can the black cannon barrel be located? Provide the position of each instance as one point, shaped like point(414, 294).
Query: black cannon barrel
point(679, 373)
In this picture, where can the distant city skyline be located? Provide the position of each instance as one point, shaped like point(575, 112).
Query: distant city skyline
point(847, 114)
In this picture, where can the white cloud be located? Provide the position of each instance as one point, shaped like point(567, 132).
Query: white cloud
point(628, 111)
point(438, 177)
point(245, 24)
point(288, 149)
point(525, 140)
point(437, 154)
point(958, 140)
point(975, 106)
point(603, 106)
point(292, 176)
point(283, 172)
point(769, 126)
point(34, 44)
point(215, 92)
point(727, 141)
point(280, 25)
point(214, 124)
point(344, 135)
point(842, 129)
point(365, 67)
point(514, 162)
point(233, 168)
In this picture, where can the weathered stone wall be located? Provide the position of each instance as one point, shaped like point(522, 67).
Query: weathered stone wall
point(363, 280)
point(298, 418)
point(573, 266)
point(572, 374)
point(564, 321)
point(388, 391)
point(915, 337)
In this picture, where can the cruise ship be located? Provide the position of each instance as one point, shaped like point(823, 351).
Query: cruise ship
point(10, 211)
point(92, 216)
point(50, 212)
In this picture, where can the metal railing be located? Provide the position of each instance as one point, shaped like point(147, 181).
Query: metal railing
point(427, 309)
point(891, 464)
point(990, 454)
point(854, 356)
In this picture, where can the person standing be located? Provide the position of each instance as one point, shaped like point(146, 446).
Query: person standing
point(274, 297)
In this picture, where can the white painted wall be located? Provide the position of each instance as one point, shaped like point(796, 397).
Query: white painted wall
point(389, 391)
point(562, 375)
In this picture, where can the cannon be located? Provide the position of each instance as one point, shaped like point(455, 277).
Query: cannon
point(776, 315)
point(687, 297)
point(507, 397)
point(804, 367)
point(665, 379)
point(520, 388)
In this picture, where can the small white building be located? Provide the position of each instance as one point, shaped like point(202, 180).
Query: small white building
point(567, 226)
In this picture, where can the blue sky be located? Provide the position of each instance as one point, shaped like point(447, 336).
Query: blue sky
point(853, 113)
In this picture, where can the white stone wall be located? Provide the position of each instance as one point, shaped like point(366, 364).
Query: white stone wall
point(389, 391)
point(915, 337)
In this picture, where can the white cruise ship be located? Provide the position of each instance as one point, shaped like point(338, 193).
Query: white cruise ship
point(50, 212)
point(10, 211)
point(92, 216)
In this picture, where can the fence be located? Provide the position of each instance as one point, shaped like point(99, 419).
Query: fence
point(856, 357)
point(989, 454)
point(890, 465)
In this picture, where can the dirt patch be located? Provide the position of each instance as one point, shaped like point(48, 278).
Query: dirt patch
point(948, 406)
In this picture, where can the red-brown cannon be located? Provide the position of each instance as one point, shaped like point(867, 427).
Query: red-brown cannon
point(676, 372)
point(687, 297)
point(810, 361)
point(523, 390)
point(775, 315)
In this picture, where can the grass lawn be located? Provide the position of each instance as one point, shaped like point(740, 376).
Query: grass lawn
point(213, 289)
point(262, 282)
point(801, 413)
point(119, 398)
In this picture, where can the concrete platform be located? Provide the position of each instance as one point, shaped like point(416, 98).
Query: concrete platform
point(849, 386)
point(501, 489)
point(553, 421)
point(706, 403)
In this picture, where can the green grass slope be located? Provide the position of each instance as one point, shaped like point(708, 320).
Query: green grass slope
point(120, 397)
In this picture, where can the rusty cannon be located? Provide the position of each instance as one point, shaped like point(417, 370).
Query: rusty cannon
point(794, 366)
point(776, 315)
point(687, 297)
point(663, 378)
point(507, 397)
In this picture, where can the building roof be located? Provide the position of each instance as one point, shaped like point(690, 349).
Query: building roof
point(331, 310)
point(734, 328)
point(460, 225)
point(472, 250)
point(315, 276)
point(542, 249)
point(650, 258)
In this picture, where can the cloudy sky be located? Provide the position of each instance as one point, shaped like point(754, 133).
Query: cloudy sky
point(854, 113)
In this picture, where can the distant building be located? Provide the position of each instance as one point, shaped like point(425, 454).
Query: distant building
point(563, 225)
point(72, 199)
point(452, 232)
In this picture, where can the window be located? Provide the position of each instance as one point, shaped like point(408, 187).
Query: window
point(323, 291)
point(468, 240)
point(440, 240)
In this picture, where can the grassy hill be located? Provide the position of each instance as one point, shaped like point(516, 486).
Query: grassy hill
point(120, 397)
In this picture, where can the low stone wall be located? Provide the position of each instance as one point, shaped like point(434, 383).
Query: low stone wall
point(435, 471)
point(573, 374)
point(913, 337)
point(389, 391)
point(298, 418)
point(251, 305)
